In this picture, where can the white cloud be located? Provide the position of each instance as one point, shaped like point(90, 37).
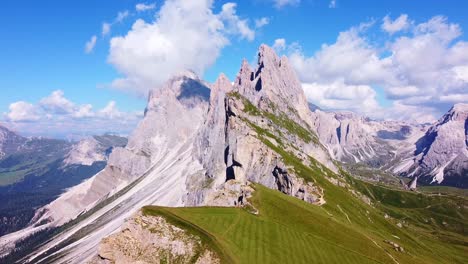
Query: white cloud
point(426, 69)
point(57, 116)
point(399, 24)
point(56, 103)
point(140, 7)
point(283, 3)
point(261, 22)
point(184, 35)
point(121, 16)
point(84, 111)
point(106, 28)
point(350, 57)
point(89, 46)
point(332, 4)
point(22, 112)
point(279, 45)
point(234, 23)
point(341, 96)
point(110, 111)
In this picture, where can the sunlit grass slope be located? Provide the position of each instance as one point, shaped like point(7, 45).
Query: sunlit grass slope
point(287, 230)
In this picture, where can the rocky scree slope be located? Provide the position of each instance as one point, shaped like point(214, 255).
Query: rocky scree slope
point(198, 144)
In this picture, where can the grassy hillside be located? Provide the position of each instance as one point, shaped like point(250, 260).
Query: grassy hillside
point(287, 230)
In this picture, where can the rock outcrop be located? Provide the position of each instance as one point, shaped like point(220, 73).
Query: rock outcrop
point(152, 239)
point(441, 155)
point(93, 149)
point(10, 142)
point(351, 138)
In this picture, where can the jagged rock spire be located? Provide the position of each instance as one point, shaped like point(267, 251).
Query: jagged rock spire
point(273, 80)
point(222, 83)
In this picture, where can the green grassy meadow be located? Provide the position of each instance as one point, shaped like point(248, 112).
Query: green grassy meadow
point(287, 230)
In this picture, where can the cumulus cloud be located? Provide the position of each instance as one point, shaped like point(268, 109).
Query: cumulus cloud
point(84, 111)
point(426, 71)
point(283, 3)
point(350, 57)
point(184, 35)
point(140, 7)
point(22, 112)
point(341, 96)
point(110, 111)
point(261, 22)
point(55, 115)
point(89, 46)
point(56, 103)
point(332, 4)
point(399, 24)
point(234, 23)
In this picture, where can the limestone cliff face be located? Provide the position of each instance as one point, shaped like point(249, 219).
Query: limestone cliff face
point(273, 87)
point(93, 149)
point(151, 239)
point(232, 144)
point(9, 142)
point(441, 155)
point(351, 138)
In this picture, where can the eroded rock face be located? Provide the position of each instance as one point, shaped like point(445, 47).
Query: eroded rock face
point(93, 149)
point(151, 239)
point(441, 155)
point(354, 139)
point(9, 141)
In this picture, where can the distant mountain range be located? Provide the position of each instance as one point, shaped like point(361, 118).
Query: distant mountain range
point(429, 154)
point(35, 171)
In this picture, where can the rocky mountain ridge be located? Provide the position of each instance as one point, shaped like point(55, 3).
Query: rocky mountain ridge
point(351, 138)
point(441, 155)
point(420, 152)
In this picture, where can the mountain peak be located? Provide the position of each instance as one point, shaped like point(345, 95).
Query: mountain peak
point(458, 112)
point(267, 55)
point(460, 107)
point(222, 83)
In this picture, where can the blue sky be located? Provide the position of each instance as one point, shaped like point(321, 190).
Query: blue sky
point(43, 50)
